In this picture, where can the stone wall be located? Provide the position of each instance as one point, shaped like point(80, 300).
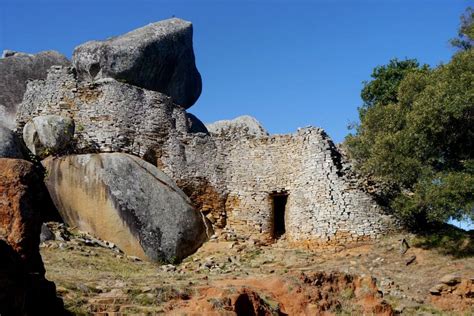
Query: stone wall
point(109, 115)
point(322, 205)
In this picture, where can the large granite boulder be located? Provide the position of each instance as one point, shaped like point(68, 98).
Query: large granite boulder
point(48, 134)
point(15, 70)
point(23, 287)
point(10, 145)
point(194, 125)
point(123, 199)
point(157, 57)
point(241, 126)
point(20, 205)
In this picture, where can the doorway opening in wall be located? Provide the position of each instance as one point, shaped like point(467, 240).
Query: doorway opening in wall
point(279, 200)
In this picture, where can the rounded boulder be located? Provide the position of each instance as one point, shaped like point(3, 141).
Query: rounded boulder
point(10, 145)
point(125, 200)
point(48, 134)
point(157, 57)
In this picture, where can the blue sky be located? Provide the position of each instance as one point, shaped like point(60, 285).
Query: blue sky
point(288, 63)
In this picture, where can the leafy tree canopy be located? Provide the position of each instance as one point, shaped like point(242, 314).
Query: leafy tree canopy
point(416, 135)
point(465, 39)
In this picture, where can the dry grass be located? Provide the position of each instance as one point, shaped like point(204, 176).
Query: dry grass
point(85, 275)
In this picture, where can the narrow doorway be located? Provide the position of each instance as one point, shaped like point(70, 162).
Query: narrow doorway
point(279, 207)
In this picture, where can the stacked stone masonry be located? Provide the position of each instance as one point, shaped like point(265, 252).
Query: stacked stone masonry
point(322, 207)
point(230, 178)
point(109, 115)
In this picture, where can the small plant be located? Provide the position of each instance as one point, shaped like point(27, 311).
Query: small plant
point(219, 303)
point(46, 152)
point(347, 294)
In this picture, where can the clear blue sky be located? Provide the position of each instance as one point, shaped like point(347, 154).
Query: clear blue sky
point(288, 63)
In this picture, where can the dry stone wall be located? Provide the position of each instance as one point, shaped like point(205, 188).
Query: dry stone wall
point(322, 205)
point(109, 115)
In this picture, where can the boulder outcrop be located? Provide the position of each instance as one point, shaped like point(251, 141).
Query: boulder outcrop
point(23, 287)
point(15, 70)
point(20, 205)
point(157, 57)
point(48, 134)
point(244, 125)
point(10, 145)
point(195, 125)
point(123, 199)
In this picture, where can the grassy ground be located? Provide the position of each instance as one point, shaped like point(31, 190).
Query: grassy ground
point(93, 279)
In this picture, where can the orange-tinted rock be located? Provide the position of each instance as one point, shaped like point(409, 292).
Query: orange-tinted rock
point(125, 200)
point(453, 293)
point(20, 218)
point(23, 287)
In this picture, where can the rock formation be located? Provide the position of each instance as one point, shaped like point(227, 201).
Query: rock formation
point(23, 287)
point(10, 145)
point(15, 70)
point(453, 292)
point(157, 57)
point(241, 126)
point(112, 116)
point(128, 201)
point(48, 134)
point(20, 217)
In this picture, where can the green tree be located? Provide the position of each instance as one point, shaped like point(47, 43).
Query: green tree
point(465, 39)
point(381, 117)
point(416, 137)
point(382, 89)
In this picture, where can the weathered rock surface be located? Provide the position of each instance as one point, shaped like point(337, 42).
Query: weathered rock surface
point(48, 134)
point(46, 233)
point(195, 125)
point(229, 175)
point(20, 205)
point(127, 201)
point(241, 126)
point(15, 70)
point(23, 288)
point(10, 145)
point(109, 115)
point(453, 292)
point(157, 57)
